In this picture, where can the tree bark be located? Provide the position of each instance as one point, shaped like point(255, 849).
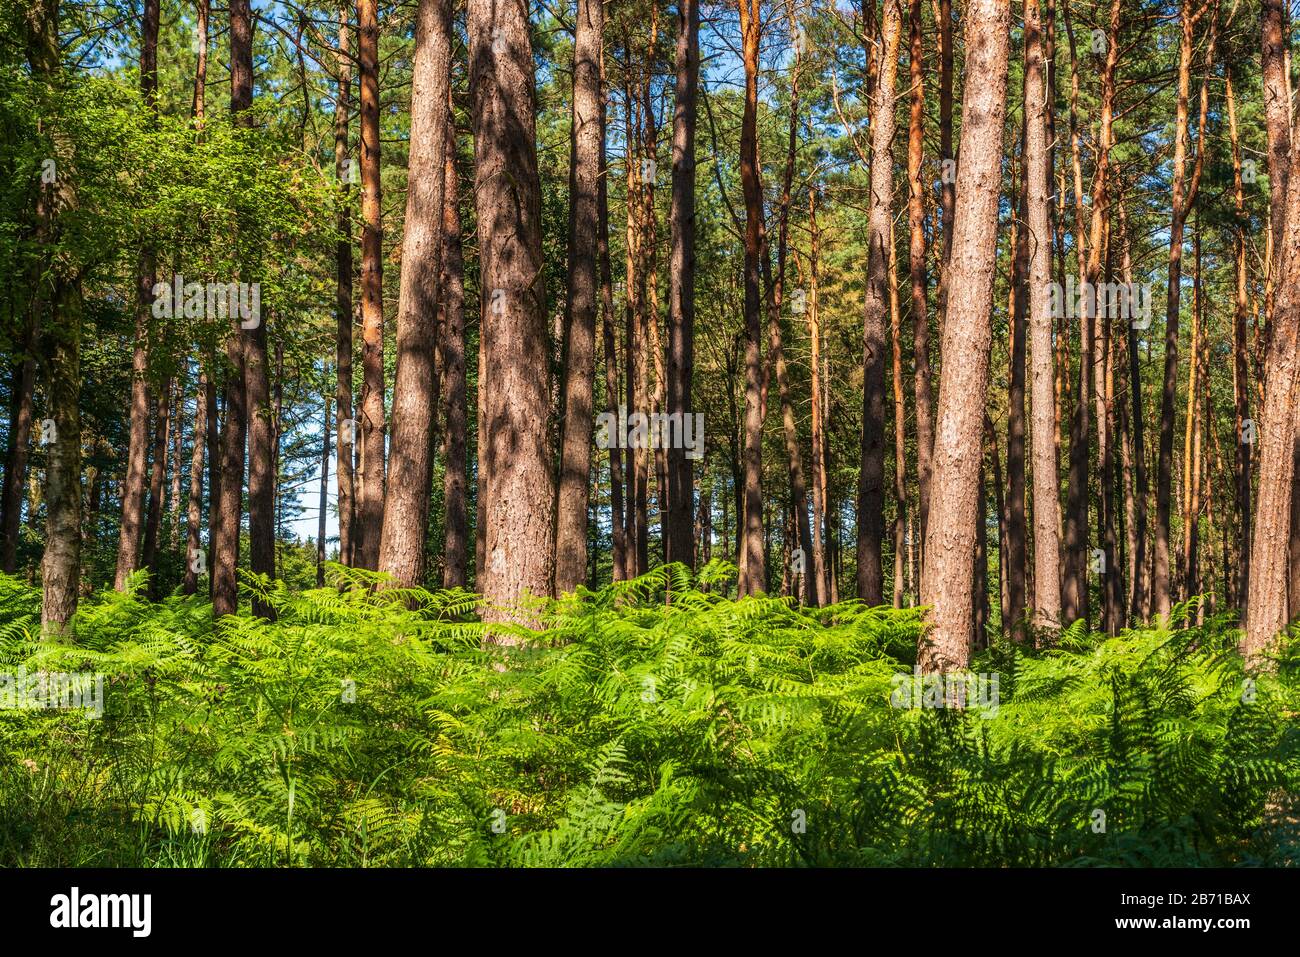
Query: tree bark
point(1184, 196)
point(1046, 486)
point(619, 570)
point(225, 535)
point(20, 436)
point(1240, 371)
point(402, 551)
point(1267, 602)
point(157, 475)
point(753, 571)
point(369, 508)
point(322, 499)
point(820, 531)
point(681, 273)
point(946, 580)
point(194, 507)
point(455, 479)
point(519, 484)
point(580, 326)
point(345, 442)
point(133, 503)
point(916, 253)
point(58, 349)
point(871, 480)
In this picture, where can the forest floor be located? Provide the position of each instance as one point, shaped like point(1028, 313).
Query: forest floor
point(367, 728)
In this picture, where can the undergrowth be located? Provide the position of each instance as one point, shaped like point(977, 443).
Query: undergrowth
point(651, 722)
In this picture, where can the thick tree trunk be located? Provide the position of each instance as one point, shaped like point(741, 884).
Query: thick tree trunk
point(1013, 559)
point(61, 358)
point(820, 532)
point(946, 581)
point(900, 427)
point(20, 436)
point(225, 532)
point(753, 571)
point(345, 442)
point(916, 253)
point(1266, 607)
point(369, 507)
point(1046, 487)
point(580, 329)
point(257, 389)
point(871, 480)
point(1183, 196)
point(58, 351)
point(1244, 443)
point(402, 551)
point(679, 546)
point(133, 503)
point(518, 484)
point(455, 479)
point(1267, 603)
point(225, 536)
point(948, 182)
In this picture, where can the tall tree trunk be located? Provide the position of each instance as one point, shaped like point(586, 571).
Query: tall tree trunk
point(455, 479)
point(214, 445)
point(369, 507)
point(322, 500)
point(1139, 593)
point(1266, 606)
point(871, 481)
point(133, 503)
point(619, 570)
point(177, 448)
point(753, 571)
point(225, 534)
point(59, 348)
point(402, 551)
point(345, 442)
point(820, 532)
point(681, 276)
point(1184, 195)
point(1192, 431)
point(1112, 584)
point(634, 333)
point(257, 390)
point(20, 436)
point(1013, 559)
point(157, 475)
point(520, 489)
point(194, 506)
point(948, 187)
point(1244, 443)
point(916, 253)
point(946, 581)
point(900, 427)
point(580, 324)
point(776, 293)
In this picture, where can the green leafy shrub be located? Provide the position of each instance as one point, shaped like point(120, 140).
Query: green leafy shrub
point(648, 723)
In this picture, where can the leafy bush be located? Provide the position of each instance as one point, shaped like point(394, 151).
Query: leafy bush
point(649, 723)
